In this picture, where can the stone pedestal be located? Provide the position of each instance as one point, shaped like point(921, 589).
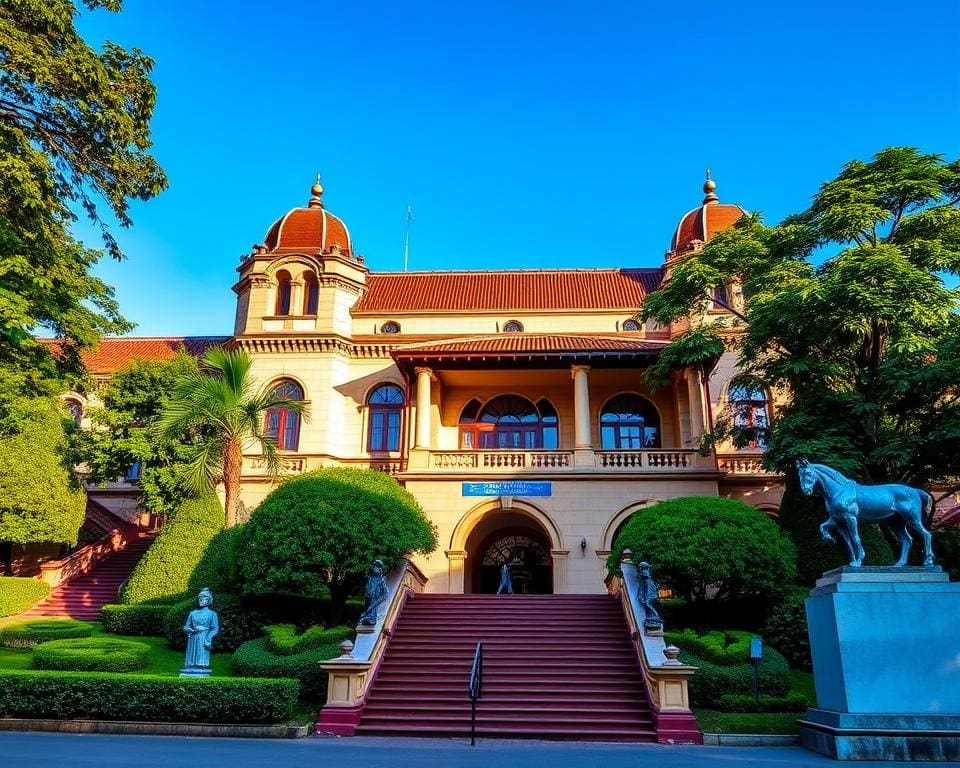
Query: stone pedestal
point(886, 661)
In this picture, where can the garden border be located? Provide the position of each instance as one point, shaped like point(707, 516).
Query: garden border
point(141, 728)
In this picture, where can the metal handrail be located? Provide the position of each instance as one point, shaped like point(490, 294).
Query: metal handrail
point(476, 689)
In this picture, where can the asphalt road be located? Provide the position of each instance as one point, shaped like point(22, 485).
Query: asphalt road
point(40, 750)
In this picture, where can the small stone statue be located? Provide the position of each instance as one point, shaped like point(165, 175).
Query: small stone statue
point(375, 593)
point(506, 579)
point(648, 595)
point(202, 626)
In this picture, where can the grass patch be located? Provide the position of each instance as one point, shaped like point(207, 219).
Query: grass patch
point(713, 721)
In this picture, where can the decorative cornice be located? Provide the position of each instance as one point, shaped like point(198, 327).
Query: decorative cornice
point(335, 344)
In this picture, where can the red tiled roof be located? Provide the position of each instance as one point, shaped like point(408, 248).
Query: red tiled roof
point(308, 229)
point(114, 354)
point(530, 343)
point(703, 223)
point(507, 291)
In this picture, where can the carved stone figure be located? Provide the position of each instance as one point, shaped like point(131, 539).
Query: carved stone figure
point(375, 593)
point(202, 626)
point(649, 594)
point(901, 507)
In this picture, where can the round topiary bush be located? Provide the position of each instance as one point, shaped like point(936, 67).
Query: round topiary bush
point(710, 550)
point(318, 533)
point(91, 654)
point(17, 593)
point(27, 634)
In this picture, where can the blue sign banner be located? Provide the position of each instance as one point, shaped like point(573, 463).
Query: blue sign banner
point(508, 488)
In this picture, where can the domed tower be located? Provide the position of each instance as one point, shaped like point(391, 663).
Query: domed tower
point(696, 227)
point(303, 277)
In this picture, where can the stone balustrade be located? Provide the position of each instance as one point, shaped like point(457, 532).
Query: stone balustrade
point(742, 464)
point(653, 460)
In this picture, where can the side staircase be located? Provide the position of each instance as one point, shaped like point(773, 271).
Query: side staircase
point(554, 667)
point(85, 595)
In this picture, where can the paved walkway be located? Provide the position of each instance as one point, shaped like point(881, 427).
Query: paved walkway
point(43, 750)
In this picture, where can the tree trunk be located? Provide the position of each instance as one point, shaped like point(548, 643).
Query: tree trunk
point(232, 465)
point(6, 558)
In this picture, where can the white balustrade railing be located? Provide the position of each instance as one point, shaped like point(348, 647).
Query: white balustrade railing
point(750, 464)
point(658, 460)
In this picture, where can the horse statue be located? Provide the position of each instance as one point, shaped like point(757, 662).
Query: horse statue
point(899, 506)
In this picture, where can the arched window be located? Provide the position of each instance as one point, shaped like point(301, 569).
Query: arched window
point(311, 294)
point(390, 327)
point(513, 326)
point(720, 297)
point(629, 422)
point(283, 293)
point(283, 424)
point(751, 414)
point(75, 409)
point(508, 422)
point(386, 406)
point(630, 325)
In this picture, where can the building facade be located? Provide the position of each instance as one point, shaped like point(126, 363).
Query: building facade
point(512, 404)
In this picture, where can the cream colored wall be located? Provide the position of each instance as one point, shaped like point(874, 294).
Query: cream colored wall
point(445, 323)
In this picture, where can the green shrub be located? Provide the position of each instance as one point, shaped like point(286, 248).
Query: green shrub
point(139, 618)
point(710, 550)
point(167, 566)
point(18, 593)
point(91, 654)
point(786, 629)
point(238, 622)
point(283, 640)
point(217, 569)
point(738, 702)
point(723, 659)
point(26, 634)
point(255, 659)
point(318, 533)
point(109, 696)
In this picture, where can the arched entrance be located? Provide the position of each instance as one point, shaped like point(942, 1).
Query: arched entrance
point(508, 536)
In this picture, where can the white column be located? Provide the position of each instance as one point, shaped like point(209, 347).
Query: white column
point(695, 395)
point(424, 378)
point(581, 407)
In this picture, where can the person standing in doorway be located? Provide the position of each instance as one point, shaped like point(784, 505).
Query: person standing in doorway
point(506, 579)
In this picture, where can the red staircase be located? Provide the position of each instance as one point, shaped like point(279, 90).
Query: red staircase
point(554, 667)
point(85, 595)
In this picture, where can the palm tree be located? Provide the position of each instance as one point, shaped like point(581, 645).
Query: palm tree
point(222, 405)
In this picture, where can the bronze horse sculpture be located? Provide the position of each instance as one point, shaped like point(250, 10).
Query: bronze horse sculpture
point(899, 506)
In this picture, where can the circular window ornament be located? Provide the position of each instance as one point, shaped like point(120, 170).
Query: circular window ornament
point(630, 325)
point(513, 326)
point(390, 327)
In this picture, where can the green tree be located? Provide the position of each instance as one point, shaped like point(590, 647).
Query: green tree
point(866, 342)
point(222, 403)
point(40, 499)
point(124, 431)
point(74, 129)
point(709, 550)
point(318, 533)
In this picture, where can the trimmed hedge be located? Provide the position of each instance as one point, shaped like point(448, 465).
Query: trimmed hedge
point(137, 619)
point(255, 659)
point(786, 629)
point(27, 634)
point(167, 566)
point(238, 622)
point(723, 659)
point(738, 702)
point(283, 640)
point(110, 696)
point(18, 593)
point(91, 654)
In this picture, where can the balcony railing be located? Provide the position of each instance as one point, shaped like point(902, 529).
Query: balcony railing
point(742, 464)
point(255, 466)
point(659, 460)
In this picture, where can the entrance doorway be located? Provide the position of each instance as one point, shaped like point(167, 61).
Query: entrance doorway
point(514, 538)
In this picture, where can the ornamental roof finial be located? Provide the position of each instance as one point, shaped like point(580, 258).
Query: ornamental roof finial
point(315, 191)
point(709, 187)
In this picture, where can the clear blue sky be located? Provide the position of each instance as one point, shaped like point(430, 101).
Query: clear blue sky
point(523, 134)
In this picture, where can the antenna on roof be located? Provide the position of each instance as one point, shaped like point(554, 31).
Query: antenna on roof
point(406, 244)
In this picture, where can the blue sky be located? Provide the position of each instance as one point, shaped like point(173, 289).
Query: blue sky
point(523, 134)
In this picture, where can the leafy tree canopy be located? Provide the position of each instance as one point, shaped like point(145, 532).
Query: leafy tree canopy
point(74, 129)
point(866, 344)
point(124, 431)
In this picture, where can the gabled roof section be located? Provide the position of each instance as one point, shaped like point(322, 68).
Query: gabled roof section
point(116, 353)
point(506, 291)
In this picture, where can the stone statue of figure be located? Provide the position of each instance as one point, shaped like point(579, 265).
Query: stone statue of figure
point(375, 593)
point(649, 594)
point(506, 579)
point(202, 626)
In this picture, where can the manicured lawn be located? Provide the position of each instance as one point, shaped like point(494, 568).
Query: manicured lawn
point(161, 659)
point(714, 721)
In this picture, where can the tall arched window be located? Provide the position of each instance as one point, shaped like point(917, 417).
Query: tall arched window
point(751, 414)
point(283, 292)
point(508, 422)
point(311, 294)
point(283, 424)
point(629, 422)
point(386, 407)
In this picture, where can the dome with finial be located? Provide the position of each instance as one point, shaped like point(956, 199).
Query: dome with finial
point(311, 229)
point(700, 224)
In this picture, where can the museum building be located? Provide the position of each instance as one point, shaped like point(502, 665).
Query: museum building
point(511, 404)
